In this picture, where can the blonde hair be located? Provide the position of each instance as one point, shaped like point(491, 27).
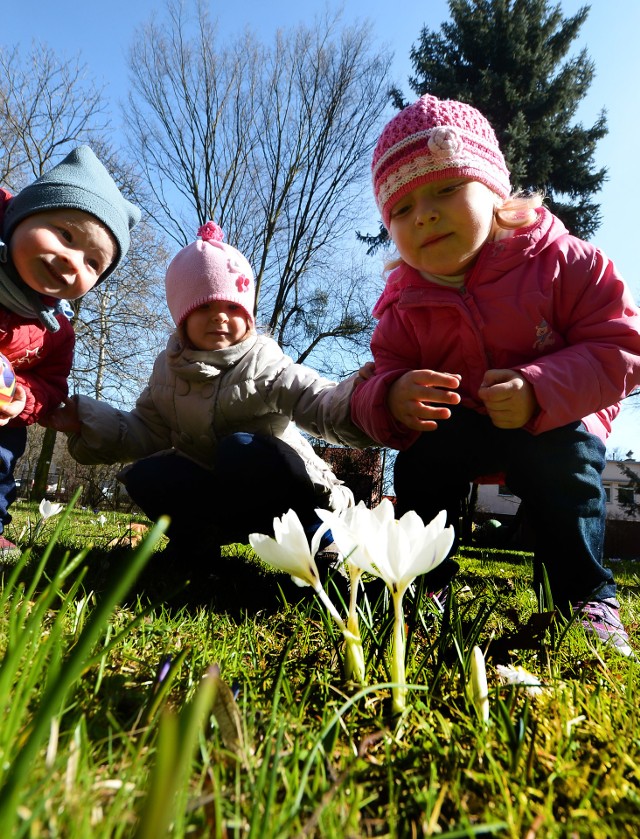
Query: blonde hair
point(512, 213)
point(518, 210)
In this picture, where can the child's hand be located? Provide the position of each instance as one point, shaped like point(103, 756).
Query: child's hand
point(15, 407)
point(411, 395)
point(65, 418)
point(367, 371)
point(508, 398)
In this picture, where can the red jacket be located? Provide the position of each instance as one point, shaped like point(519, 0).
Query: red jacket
point(541, 302)
point(41, 360)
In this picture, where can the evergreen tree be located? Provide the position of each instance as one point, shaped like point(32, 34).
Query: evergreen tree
point(508, 58)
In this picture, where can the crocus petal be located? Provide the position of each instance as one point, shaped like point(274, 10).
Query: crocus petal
point(289, 551)
point(48, 509)
point(395, 551)
point(289, 532)
point(299, 581)
point(425, 549)
point(317, 538)
point(342, 532)
point(281, 557)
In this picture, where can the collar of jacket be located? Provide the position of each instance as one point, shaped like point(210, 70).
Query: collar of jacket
point(206, 363)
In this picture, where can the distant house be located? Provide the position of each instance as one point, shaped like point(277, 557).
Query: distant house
point(623, 530)
point(498, 500)
point(620, 490)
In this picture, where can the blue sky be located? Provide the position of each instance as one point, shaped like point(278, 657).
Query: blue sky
point(101, 38)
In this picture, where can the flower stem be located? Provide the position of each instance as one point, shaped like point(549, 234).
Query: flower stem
point(353, 654)
point(354, 667)
point(322, 594)
point(398, 676)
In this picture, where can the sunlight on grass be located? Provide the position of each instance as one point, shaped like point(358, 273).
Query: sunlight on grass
point(115, 725)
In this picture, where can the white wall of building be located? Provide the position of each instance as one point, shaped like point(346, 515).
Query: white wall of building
point(498, 501)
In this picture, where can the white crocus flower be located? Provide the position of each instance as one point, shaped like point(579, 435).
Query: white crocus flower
point(517, 675)
point(47, 509)
point(395, 551)
point(479, 689)
point(289, 551)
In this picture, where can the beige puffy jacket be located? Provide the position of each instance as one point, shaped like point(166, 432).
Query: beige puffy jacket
point(195, 398)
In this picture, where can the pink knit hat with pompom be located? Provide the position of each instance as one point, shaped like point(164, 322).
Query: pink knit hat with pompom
point(430, 140)
point(208, 270)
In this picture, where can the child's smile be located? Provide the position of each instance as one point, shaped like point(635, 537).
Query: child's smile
point(61, 253)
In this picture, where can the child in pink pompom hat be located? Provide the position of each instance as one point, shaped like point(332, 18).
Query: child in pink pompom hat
point(504, 346)
point(209, 270)
point(212, 436)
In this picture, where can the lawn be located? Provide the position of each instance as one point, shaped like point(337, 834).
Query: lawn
point(136, 704)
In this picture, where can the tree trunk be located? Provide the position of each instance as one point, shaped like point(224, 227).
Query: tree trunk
point(44, 462)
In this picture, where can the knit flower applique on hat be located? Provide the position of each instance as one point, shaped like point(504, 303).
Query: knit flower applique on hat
point(243, 283)
point(210, 232)
point(445, 142)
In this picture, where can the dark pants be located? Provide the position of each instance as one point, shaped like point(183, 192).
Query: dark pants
point(13, 442)
point(255, 478)
point(557, 475)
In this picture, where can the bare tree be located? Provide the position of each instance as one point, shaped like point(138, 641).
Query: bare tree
point(121, 323)
point(273, 143)
point(48, 106)
point(45, 104)
point(120, 326)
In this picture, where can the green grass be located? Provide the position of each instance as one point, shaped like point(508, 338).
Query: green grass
point(93, 745)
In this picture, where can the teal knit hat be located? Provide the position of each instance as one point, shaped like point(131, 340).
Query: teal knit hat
point(79, 182)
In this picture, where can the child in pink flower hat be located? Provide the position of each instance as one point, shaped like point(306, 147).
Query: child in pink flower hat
point(211, 437)
point(503, 345)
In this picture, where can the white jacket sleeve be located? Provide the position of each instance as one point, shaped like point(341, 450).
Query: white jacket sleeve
point(317, 405)
point(109, 435)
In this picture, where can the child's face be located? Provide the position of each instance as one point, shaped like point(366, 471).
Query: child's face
point(440, 227)
point(61, 253)
point(216, 325)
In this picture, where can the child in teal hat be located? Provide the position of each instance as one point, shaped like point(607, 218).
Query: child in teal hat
point(60, 236)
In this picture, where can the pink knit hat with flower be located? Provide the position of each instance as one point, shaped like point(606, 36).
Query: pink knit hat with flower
point(430, 140)
point(208, 270)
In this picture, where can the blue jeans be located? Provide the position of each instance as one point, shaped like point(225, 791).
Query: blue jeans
point(254, 479)
point(557, 474)
point(13, 442)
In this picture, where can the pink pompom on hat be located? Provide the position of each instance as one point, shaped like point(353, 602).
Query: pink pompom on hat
point(430, 140)
point(208, 270)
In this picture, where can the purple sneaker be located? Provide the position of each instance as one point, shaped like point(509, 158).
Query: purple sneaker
point(602, 618)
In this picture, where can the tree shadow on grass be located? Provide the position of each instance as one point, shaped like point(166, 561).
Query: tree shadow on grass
point(228, 584)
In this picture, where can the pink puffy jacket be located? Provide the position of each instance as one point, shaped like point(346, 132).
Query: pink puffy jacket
point(541, 302)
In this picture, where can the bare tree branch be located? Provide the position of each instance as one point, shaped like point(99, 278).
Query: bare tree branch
point(274, 144)
point(47, 107)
